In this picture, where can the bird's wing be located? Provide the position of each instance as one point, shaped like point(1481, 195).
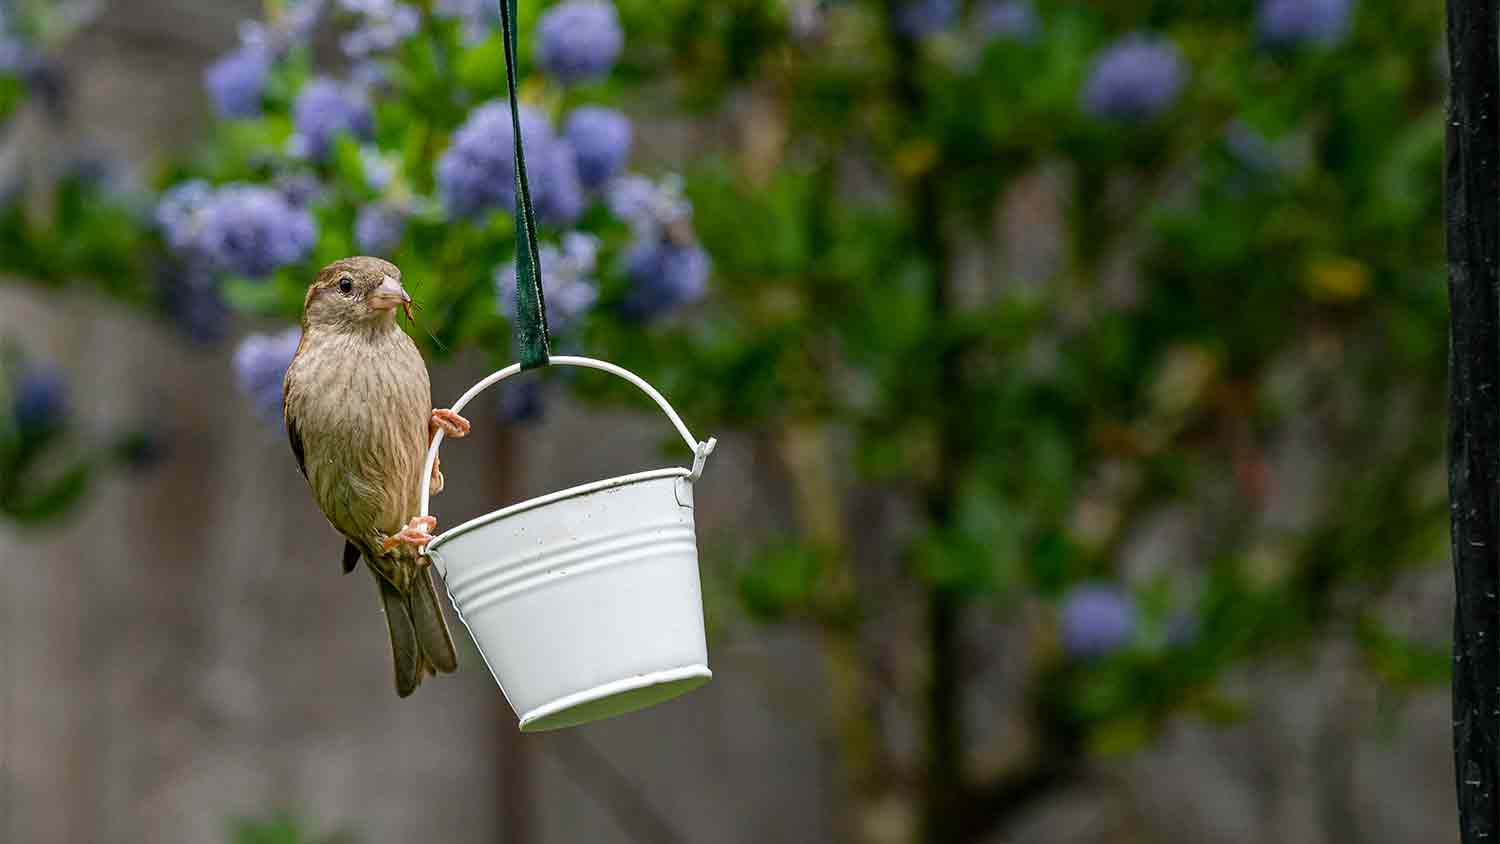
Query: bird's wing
point(351, 556)
point(296, 440)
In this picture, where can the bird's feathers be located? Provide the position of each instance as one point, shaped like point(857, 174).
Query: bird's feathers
point(358, 405)
point(293, 436)
point(432, 631)
point(403, 639)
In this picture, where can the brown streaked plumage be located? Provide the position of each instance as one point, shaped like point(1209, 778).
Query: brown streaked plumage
point(359, 414)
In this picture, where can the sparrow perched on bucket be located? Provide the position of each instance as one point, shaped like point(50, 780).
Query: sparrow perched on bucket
point(358, 409)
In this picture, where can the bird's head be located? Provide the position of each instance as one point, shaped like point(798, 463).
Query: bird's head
point(355, 292)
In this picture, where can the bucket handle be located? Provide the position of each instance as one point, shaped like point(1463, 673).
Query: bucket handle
point(701, 450)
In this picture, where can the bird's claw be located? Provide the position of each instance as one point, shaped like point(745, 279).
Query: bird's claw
point(417, 533)
point(451, 424)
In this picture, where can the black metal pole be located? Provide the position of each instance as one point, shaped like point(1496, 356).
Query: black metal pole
point(1473, 212)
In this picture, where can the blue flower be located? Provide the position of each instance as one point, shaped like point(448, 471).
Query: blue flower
point(237, 82)
point(252, 230)
point(1097, 619)
point(579, 40)
point(601, 138)
point(15, 56)
point(919, 18)
point(324, 110)
point(480, 17)
point(476, 174)
point(1135, 79)
point(663, 276)
point(379, 171)
point(556, 188)
point(567, 281)
point(260, 365)
point(178, 213)
point(191, 298)
point(378, 228)
point(1290, 23)
point(1007, 19)
point(382, 25)
point(521, 402)
point(651, 209)
point(291, 24)
point(300, 189)
point(40, 403)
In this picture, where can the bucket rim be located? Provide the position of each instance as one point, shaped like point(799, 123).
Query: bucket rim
point(553, 497)
point(696, 671)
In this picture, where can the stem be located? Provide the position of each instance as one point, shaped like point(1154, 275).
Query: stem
point(945, 784)
point(1473, 211)
point(803, 449)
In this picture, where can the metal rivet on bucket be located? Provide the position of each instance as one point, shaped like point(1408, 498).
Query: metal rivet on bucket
point(584, 603)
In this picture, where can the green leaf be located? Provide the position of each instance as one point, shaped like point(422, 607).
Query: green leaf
point(780, 580)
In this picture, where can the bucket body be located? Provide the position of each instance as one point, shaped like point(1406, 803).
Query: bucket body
point(585, 603)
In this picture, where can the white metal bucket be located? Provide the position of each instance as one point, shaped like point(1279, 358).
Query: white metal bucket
point(585, 603)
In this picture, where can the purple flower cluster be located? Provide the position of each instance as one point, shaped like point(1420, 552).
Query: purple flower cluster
point(920, 18)
point(476, 174)
point(39, 404)
point(1097, 619)
point(378, 228)
point(191, 298)
point(665, 266)
point(664, 276)
point(521, 402)
point(260, 365)
point(378, 169)
point(382, 25)
point(601, 138)
point(480, 17)
point(579, 40)
point(1013, 20)
point(291, 24)
point(1135, 79)
point(248, 230)
point(237, 82)
point(300, 189)
point(567, 279)
point(1290, 23)
point(326, 109)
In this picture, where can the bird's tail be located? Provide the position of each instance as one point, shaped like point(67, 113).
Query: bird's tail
point(420, 642)
point(404, 649)
point(432, 629)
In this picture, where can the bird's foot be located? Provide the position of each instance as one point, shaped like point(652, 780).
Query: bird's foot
point(451, 423)
point(437, 476)
point(417, 533)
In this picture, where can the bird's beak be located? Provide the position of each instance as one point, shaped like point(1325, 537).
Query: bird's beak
point(389, 295)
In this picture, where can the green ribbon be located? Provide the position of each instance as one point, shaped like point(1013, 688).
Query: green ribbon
point(531, 305)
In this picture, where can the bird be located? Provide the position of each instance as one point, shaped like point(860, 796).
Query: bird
point(357, 403)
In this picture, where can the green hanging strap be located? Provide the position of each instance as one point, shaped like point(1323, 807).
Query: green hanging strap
point(531, 304)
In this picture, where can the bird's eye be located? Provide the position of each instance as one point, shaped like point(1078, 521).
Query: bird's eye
point(346, 284)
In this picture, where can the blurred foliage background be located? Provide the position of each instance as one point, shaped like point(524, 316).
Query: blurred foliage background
point(1028, 281)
